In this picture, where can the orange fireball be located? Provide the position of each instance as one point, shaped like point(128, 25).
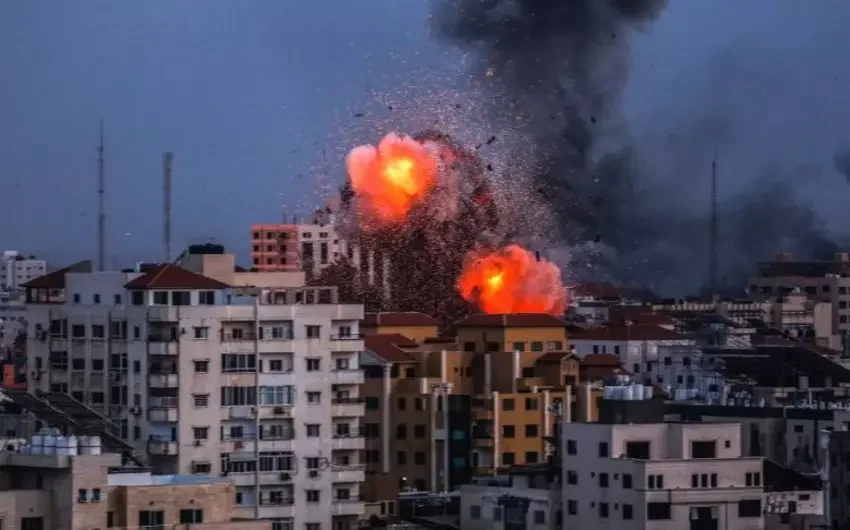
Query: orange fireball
point(511, 280)
point(390, 178)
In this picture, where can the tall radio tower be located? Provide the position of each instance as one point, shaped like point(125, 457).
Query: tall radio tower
point(712, 251)
point(101, 213)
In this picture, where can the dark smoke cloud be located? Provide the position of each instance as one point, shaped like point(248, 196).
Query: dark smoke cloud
point(842, 163)
point(564, 65)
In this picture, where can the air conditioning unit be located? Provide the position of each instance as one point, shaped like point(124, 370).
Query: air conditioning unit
point(285, 477)
point(314, 473)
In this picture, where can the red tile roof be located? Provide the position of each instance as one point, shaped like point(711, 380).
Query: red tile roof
point(622, 333)
point(600, 366)
point(389, 347)
point(512, 320)
point(552, 357)
point(398, 319)
point(169, 276)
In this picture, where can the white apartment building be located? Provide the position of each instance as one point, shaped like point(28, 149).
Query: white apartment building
point(260, 385)
point(16, 270)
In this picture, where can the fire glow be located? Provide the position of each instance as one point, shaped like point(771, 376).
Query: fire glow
point(511, 280)
point(389, 179)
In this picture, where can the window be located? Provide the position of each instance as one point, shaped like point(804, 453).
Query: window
point(206, 298)
point(536, 346)
point(603, 480)
point(160, 298)
point(202, 332)
point(152, 519)
point(401, 458)
point(238, 362)
point(313, 495)
point(572, 507)
point(475, 512)
point(508, 404)
point(603, 450)
point(637, 450)
point(314, 332)
point(314, 398)
point(98, 331)
point(572, 477)
point(201, 433)
point(531, 403)
point(201, 400)
point(658, 511)
point(603, 509)
point(531, 431)
point(32, 523)
point(313, 365)
point(572, 447)
point(313, 430)
point(419, 431)
point(749, 508)
point(532, 457)
point(507, 459)
point(201, 367)
point(627, 481)
point(752, 479)
point(508, 431)
point(372, 403)
point(402, 403)
point(654, 482)
point(401, 431)
point(539, 517)
point(82, 495)
point(419, 458)
point(705, 449)
point(519, 346)
point(191, 516)
point(628, 512)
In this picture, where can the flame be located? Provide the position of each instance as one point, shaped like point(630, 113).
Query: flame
point(511, 280)
point(390, 178)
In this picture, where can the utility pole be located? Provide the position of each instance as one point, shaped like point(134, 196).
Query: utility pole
point(712, 257)
point(101, 213)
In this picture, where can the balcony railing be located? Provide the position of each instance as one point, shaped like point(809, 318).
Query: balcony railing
point(162, 337)
point(347, 401)
point(163, 402)
point(348, 336)
point(349, 499)
point(353, 432)
point(277, 502)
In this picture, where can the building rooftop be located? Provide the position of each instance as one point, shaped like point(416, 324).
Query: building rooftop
point(398, 319)
point(148, 479)
point(167, 276)
point(512, 320)
point(389, 347)
point(56, 279)
point(627, 333)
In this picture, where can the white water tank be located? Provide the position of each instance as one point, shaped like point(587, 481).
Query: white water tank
point(66, 446)
point(628, 393)
point(638, 392)
point(89, 445)
point(648, 392)
point(37, 444)
point(49, 446)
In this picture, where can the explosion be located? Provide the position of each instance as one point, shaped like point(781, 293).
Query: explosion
point(390, 179)
point(511, 280)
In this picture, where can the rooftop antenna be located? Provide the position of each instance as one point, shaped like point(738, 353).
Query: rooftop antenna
point(101, 214)
point(712, 257)
point(167, 159)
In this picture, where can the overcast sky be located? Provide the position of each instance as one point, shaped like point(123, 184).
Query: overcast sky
point(248, 94)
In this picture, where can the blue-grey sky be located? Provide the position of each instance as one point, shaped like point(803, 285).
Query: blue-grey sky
point(248, 93)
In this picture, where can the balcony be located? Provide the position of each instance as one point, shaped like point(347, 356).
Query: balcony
point(351, 342)
point(162, 447)
point(274, 412)
point(168, 347)
point(163, 380)
point(350, 506)
point(162, 415)
point(347, 377)
point(348, 474)
point(352, 441)
point(348, 407)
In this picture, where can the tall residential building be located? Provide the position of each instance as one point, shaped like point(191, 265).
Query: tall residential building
point(257, 384)
point(17, 269)
point(312, 248)
point(441, 411)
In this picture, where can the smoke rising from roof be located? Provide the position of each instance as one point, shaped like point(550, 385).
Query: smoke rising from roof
point(565, 65)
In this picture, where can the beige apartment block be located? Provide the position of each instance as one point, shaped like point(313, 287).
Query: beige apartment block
point(83, 492)
point(258, 384)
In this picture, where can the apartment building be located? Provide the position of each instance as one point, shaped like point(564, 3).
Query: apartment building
point(632, 470)
point(257, 384)
point(464, 404)
point(822, 281)
point(312, 247)
point(84, 491)
point(17, 269)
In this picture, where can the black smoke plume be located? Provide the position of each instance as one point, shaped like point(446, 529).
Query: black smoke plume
point(563, 65)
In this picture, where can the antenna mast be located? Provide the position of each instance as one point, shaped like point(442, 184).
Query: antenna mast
point(167, 159)
point(101, 215)
point(712, 258)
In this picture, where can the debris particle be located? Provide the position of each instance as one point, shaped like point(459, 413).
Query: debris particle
point(491, 140)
